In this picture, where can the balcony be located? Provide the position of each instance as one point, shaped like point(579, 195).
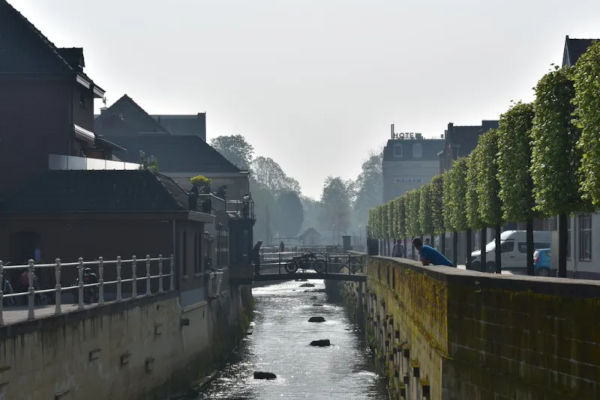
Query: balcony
point(59, 162)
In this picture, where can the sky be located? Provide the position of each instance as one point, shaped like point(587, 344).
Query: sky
point(315, 84)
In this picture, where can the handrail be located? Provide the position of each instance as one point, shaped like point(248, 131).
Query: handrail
point(92, 291)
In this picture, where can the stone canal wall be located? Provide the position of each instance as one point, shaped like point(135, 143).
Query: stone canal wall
point(146, 348)
point(445, 333)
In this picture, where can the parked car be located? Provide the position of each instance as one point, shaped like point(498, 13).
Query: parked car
point(513, 250)
point(542, 262)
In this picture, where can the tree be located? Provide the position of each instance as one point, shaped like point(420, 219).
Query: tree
point(413, 199)
point(437, 207)
point(456, 199)
point(488, 187)
point(514, 163)
point(264, 204)
point(401, 216)
point(290, 214)
point(268, 172)
point(335, 207)
point(369, 188)
point(472, 206)
point(587, 112)
point(235, 149)
point(425, 211)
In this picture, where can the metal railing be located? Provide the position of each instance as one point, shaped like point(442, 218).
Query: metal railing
point(325, 262)
point(115, 280)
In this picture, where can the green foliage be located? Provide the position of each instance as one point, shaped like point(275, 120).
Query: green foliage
point(335, 207)
point(513, 163)
point(472, 200)
point(268, 172)
point(289, 214)
point(490, 206)
point(555, 156)
point(200, 180)
point(425, 211)
point(401, 217)
point(235, 149)
point(437, 206)
point(457, 184)
point(368, 187)
point(412, 218)
point(390, 219)
point(447, 201)
point(587, 102)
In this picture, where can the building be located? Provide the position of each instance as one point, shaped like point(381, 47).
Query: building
point(460, 140)
point(46, 102)
point(182, 157)
point(409, 162)
point(574, 48)
point(185, 125)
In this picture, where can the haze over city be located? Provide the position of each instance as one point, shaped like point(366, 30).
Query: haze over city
point(315, 84)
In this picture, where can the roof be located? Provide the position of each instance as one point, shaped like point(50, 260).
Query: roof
point(309, 231)
point(26, 50)
point(174, 153)
point(574, 48)
point(126, 118)
point(463, 138)
point(104, 191)
point(184, 124)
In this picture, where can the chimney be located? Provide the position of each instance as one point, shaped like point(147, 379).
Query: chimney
point(392, 129)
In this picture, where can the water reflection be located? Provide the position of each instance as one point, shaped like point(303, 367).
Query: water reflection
point(280, 344)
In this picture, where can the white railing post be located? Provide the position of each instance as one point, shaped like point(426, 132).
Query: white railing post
point(31, 290)
point(133, 277)
point(119, 294)
point(160, 277)
point(172, 280)
point(80, 280)
point(1, 293)
point(100, 280)
point(58, 288)
point(147, 274)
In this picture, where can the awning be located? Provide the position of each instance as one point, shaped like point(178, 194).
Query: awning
point(84, 134)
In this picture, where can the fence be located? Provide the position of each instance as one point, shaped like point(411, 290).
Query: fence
point(95, 282)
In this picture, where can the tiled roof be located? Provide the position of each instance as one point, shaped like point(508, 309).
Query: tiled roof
point(184, 124)
point(126, 118)
point(174, 153)
point(62, 192)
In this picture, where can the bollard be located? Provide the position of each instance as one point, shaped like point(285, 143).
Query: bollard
point(1, 293)
point(119, 283)
point(58, 288)
point(80, 288)
point(133, 277)
point(147, 274)
point(160, 273)
point(172, 280)
point(31, 289)
point(100, 280)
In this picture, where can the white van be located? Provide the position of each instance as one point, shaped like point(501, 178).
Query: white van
point(514, 250)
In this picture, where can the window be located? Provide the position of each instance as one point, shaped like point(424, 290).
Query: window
point(398, 150)
point(585, 237)
point(417, 150)
point(507, 247)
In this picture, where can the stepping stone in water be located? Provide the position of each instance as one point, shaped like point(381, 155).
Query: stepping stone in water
point(316, 319)
point(307, 285)
point(321, 343)
point(317, 305)
point(264, 375)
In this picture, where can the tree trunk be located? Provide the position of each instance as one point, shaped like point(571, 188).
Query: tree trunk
point(563, 242)
point(469, 248)
point(455, 248)
point(405, 255)
point(443, 245)
point(498, 260)
point(432, 238)
point(482, 243)
point(529, 238)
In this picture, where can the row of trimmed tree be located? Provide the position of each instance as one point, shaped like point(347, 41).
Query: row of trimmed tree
point(543, 160)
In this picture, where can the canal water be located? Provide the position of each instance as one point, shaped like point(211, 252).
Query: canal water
point(279, 343)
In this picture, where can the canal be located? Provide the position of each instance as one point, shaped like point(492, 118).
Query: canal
point(279, 343)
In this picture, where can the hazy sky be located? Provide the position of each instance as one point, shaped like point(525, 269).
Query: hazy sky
point(315, 84)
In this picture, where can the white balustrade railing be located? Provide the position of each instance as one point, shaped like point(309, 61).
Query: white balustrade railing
point(89, 286)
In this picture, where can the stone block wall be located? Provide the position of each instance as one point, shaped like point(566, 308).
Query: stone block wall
point(452, 334)
point(146, 348)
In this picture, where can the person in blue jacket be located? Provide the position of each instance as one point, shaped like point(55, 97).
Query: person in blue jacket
point(429, 255)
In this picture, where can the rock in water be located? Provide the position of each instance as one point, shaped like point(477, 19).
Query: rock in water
point(316, 319)
point(307, 285)
point(317, 305)
point(321, 343)
point(264, 375)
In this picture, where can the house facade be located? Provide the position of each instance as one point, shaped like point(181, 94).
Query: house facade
point(409, 162)
point(460, 140)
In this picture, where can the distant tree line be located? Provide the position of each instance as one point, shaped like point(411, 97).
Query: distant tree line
point(543, 160)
